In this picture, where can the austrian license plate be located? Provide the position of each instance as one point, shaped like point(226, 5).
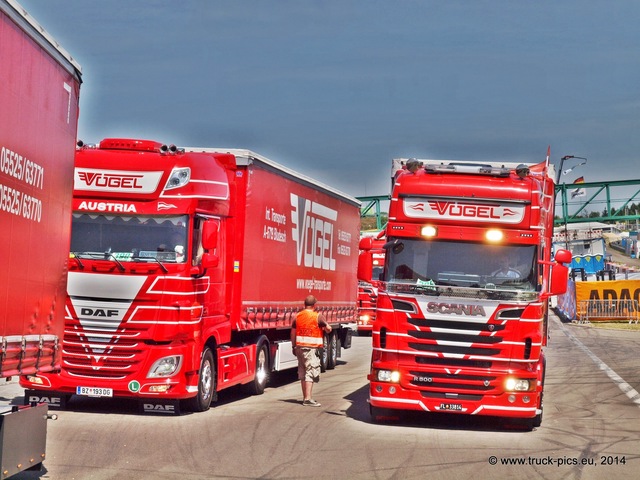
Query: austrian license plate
point(94, 391)
point(451, 406)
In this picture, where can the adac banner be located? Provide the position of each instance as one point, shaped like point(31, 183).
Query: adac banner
point(608, 290)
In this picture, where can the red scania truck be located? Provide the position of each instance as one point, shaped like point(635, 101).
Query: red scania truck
point(454, 333)
point(39, 94)
point(187, 268)
point(368, 289)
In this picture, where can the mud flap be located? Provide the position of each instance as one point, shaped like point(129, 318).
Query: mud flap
point(55, 400)
point(160, 407)
point(23, 435)
point(345, 338)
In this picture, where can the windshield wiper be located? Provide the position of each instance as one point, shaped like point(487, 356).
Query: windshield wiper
point(97, 256)
point(164, 269)
point(109, 256)
point(76, 257)
point(138, 259)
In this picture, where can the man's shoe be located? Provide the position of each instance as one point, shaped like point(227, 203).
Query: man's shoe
point(310, 403)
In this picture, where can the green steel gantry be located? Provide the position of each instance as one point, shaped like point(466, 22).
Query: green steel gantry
point(611, 201)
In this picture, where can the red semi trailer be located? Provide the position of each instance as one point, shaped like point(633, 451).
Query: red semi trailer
point(187, 269)
point(454, 331)
point(39, 92)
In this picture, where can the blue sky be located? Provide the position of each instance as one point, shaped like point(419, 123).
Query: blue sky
point(337, 88)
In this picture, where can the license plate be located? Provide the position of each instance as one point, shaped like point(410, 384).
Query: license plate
point(94, 391)
point(451, 406)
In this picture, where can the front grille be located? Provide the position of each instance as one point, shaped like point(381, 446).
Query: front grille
point(452, 357)
point(451, 382)
point(102, 351)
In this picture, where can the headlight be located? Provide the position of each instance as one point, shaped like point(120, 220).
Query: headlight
point(388, 376)
point(517, 385)
point(179, 178)
point(364, 319)
point(34, 379)
point(165, 367)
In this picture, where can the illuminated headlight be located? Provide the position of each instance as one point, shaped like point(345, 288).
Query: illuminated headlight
point(517, 385)
point(388, 376)
point(429, 231)
point(364, 319)
point(494, 235)
point(179, 178)
point(159, 388)
point(165, 367)
point(34, 379)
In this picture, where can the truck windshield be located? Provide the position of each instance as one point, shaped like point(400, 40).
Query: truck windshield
point(124, 238)
point(460, 264)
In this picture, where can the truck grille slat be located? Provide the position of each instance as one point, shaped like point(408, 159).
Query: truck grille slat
point(452, 349)
point(454, 337)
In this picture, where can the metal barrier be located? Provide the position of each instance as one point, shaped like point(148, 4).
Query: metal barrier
point(604, 310)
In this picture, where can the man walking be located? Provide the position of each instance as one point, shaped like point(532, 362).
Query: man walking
point(306, 337)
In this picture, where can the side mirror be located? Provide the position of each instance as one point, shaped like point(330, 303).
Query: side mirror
point(563, 256)
point(366, 243)
point(210, 230)
point(560, 272)
point(210, 260)
point(365, 266)
point(210, 257)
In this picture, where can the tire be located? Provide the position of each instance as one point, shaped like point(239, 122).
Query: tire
point(324, 354)
point(261, 378)
point(207, 382)
point(334, 350)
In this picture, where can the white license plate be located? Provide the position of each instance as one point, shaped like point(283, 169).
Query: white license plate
point(94, 391)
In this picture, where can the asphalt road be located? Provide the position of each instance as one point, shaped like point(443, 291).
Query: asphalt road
point(590, 430)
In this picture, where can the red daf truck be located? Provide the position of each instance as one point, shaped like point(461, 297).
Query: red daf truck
point(39, 90)
point(187, 268)
point(454, 333)
point(368, 289)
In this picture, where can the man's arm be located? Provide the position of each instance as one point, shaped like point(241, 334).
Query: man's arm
point(322, 323)
point(292, 335)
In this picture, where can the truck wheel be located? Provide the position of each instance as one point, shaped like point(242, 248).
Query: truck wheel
point(261, 378)
point(334, 347)
point(324, 354)
point(206, 384)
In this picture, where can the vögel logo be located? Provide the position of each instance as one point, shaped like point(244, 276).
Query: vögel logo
point(313, 227)
point(139, 182)
point(110, 181)
point(461, 211)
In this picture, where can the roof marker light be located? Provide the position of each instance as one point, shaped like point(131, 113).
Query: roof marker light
point(429, 231)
